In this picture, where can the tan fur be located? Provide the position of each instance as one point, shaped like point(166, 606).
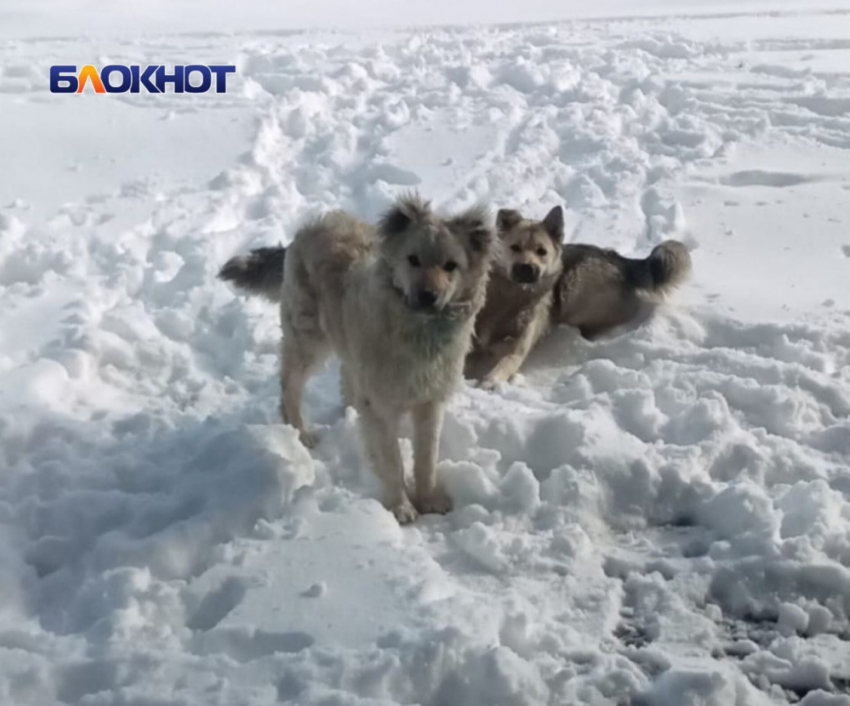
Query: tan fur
point(584, 286)
point(516, 314)
point(397, 304)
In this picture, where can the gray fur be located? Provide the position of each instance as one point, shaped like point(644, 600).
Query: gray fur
point(600, 290)
point(259, 272)
point(396, 303)
point(584, 286)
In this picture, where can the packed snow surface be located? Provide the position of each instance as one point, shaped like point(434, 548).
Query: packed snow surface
point(661, 518)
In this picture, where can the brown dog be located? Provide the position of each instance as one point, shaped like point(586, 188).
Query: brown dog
point(537, 282)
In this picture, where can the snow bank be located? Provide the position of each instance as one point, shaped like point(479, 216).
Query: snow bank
point(659, 518)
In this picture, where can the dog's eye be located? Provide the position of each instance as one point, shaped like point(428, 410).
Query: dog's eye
point(414, 261)
point(450, 266)
point(516, 248)
point(541, 252)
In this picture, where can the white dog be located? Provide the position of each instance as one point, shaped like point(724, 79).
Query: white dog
point(397, 304)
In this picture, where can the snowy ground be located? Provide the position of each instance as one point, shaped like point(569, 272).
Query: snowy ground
point(658, 519)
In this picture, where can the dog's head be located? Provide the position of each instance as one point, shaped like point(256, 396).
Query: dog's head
point(530, 250)
point(435, 262)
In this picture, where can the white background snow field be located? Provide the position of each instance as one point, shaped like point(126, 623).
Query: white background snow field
point(658, 519)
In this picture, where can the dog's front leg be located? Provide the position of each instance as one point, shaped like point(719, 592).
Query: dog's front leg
point(505, 368)
point(515, 353)
point(380, 435)
point(511, 361)
point(427, 423)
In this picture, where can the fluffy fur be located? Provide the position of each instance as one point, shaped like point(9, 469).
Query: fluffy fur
point(396, 302)
point(260, 271)
point(539, 283)
point(519, 296)
point(600, 290)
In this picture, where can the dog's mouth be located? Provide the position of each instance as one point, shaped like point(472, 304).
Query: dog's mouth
point(414, 303)
point(525, 275)
point(449, 310)
point(424, 308)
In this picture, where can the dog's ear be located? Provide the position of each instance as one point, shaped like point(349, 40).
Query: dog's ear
point(507, 218)
point(408, 209)
point(473, 226)
point(554, 224)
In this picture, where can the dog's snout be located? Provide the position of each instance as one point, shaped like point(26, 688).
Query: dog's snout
point(526, 273)
point(426, 298)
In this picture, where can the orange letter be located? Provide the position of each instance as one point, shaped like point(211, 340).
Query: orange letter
point(89, 73)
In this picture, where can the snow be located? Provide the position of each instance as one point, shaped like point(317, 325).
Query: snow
point(56, 17)
point(658, 518)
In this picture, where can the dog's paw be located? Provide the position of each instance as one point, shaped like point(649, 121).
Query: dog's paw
point(438, 502)
point(489, 383)
point(309, 438)
point(404, 512)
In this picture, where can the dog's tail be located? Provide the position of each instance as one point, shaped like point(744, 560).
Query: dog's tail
point(258, 272)
point(667, 266)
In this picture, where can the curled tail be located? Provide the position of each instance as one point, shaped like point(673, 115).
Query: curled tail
point(667, 266)
point(258, 272)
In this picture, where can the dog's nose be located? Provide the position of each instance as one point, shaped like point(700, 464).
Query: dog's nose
point(426, 298)
point(525, 273)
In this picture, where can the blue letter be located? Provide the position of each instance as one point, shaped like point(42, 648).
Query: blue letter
point(206, 78)
point(63, 84)
point(126, 78)
point(145, 78)
point(221, 77)
point(176, 78)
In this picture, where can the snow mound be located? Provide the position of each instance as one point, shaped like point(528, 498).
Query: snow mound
point(658, 518)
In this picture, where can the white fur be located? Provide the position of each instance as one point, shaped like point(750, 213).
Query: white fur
point(349, 289)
